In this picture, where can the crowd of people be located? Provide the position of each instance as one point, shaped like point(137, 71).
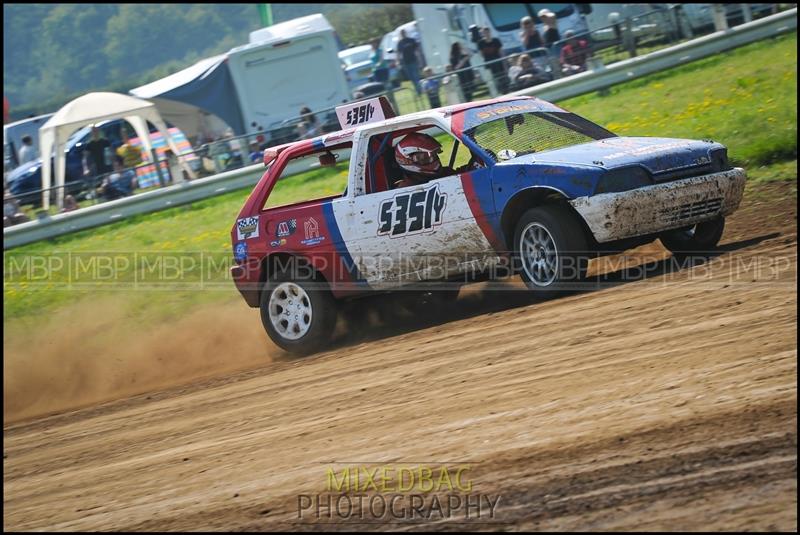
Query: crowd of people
point(542, 52)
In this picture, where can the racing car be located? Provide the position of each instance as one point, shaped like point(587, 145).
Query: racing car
point(539, 190)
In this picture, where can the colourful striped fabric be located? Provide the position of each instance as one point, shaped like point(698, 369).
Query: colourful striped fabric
point(146, 174)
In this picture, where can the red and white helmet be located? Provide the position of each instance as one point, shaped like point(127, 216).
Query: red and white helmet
point(418, 153)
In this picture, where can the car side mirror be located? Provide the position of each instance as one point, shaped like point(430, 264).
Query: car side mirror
point(327, 160)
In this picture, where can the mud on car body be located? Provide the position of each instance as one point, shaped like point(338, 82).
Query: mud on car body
point(541, 191)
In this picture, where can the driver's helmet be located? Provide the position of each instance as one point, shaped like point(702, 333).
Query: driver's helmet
point(418, 153)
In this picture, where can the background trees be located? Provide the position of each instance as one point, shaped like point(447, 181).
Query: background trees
point(53, 53)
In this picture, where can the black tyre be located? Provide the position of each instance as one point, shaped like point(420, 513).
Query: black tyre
point(703, 237)
point(550, 250)
point(298, 312)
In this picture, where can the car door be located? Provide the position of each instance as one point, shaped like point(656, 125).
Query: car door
point(417, 233)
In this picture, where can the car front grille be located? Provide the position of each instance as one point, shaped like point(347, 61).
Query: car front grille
point(692, 210)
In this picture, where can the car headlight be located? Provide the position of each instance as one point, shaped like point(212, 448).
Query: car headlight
point(719, 160)
point(623, 179)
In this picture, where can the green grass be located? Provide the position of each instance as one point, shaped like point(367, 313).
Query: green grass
point(745, 99)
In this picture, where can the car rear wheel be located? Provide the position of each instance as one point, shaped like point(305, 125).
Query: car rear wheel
point(550, 250)
point(299, 313)
point(698, 238)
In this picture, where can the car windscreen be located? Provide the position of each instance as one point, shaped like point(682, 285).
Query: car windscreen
point(526, 133)
point(357, 57)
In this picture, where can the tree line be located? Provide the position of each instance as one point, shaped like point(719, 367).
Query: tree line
point(53, 53)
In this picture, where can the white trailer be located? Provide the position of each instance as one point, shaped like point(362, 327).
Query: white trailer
point(286, 67)
point(255, 87)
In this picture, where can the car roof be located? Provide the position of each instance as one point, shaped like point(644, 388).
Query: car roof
point(343, 136)
point(354, 50)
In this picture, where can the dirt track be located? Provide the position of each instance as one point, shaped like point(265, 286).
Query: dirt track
point(666, 403)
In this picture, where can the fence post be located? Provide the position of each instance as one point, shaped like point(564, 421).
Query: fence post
point(720, 19)
point(747, 13)
point(628, 38)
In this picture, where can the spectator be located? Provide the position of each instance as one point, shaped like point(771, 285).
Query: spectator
point(525, 74)
point(574, 54)
point(308, 127)
point(460, 60)
point(256, 154)
point(95, 153)
point(70, 204)
point(27, 153)
point(492, 49)
point(119, 183)
point(551, 35)
point(220, 153)
point(12, 214)
point(452, 91)
point(408, 54)
point(131, 156)
point(380, 70)
point(529, 36)
point(174, 166)
point(431, 87)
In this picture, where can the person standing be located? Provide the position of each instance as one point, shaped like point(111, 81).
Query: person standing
point(551, 35)
point(460, 62)
point(96, 151)
point(492, 50)
point(131, 156)
point(529, 36)
point(408, 54)
point(27, 153)
point(430, 86)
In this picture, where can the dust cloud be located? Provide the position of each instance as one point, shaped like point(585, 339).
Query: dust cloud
point(82, 355)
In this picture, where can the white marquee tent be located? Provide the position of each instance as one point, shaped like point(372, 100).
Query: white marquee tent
point(89, 109)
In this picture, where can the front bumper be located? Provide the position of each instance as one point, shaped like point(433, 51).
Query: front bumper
point(653, 209)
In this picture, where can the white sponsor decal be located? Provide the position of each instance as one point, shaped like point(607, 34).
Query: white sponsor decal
point(247, 228)
point(311, 228)
point(358, 113)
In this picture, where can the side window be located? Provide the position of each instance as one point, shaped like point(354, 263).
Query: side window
point(389, 167)
point(311, 177)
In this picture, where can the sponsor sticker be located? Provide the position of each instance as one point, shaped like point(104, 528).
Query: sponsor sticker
point(240, 252)
point(311, 229)
point(361, 112)
point(412, 213)
point(286, 228)
point(277, 243)
point(247, 228)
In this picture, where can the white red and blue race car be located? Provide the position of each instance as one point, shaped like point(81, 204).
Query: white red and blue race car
point(542, 190)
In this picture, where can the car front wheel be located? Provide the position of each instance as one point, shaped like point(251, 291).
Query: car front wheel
point(550, 250)
point(702, 237)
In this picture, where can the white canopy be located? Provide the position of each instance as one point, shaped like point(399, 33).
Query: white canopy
point(89, 109)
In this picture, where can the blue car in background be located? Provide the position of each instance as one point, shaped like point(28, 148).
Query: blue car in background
point(358, 65)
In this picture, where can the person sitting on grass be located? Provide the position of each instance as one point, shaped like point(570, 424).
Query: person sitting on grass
point(118, 183)
point(574, 54)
